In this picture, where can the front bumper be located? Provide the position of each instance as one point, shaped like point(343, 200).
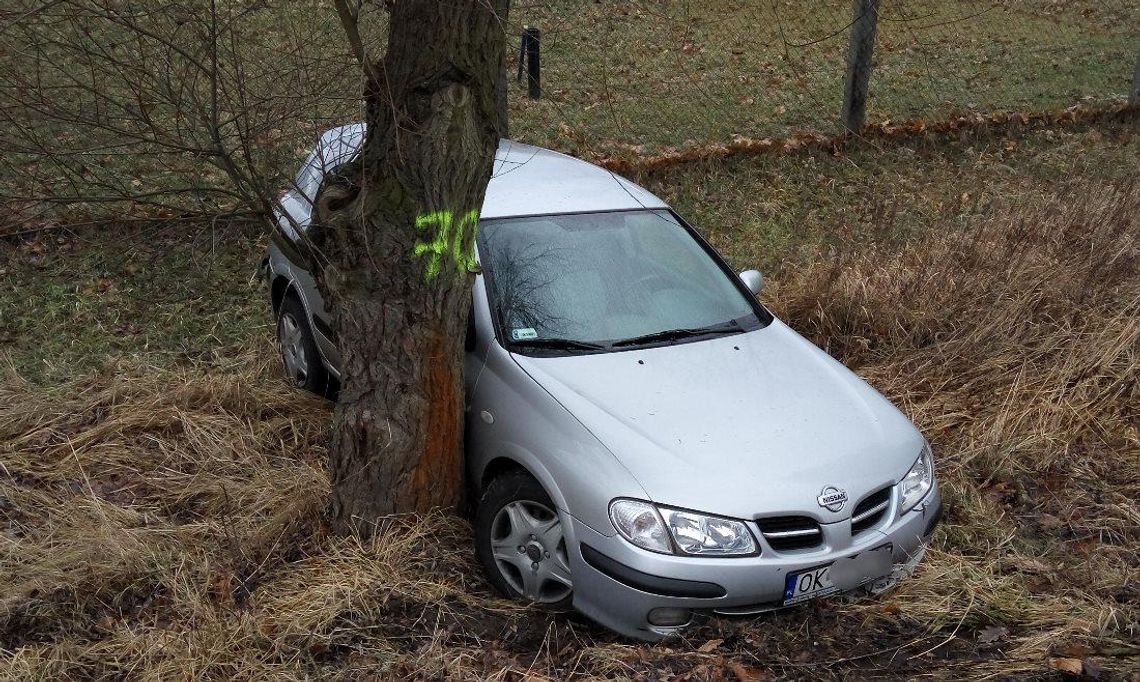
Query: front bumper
point(618, 584)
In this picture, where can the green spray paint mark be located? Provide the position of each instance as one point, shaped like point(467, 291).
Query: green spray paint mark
point(450, 235)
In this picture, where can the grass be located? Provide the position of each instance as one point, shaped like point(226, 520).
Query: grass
point(157, 294)
point(763, 211)
point(631, 75)
point(647, 74)
point(161, 491)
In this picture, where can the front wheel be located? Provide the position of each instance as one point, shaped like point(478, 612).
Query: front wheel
point(520, 542)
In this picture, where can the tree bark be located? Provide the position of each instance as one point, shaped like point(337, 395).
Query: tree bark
point(398, 230)
point(501, 101)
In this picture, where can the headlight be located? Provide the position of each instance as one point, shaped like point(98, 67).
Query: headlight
point(708, 535)
point(650, 527)
point(917, 482)
point(640, 523)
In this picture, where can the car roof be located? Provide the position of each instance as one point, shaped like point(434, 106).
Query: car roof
point(529, 180)
point(526, 180)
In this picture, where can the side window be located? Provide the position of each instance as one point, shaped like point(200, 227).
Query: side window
point(335, 152)
point(308, 179)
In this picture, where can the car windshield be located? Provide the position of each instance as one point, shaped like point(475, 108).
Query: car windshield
point(599, 281)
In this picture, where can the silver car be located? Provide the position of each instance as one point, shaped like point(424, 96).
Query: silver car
point(646, 441)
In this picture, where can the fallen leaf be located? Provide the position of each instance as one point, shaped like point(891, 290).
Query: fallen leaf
point(747, 673)
point(1070, 650)
point(710, 645)
point(1071, 666)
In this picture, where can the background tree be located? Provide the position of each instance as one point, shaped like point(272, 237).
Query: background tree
point(397, 239)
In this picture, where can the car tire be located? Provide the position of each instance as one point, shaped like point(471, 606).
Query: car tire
point(520, 542)
point(299, 354)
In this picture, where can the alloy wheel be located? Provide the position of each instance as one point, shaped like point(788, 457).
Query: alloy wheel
point(530, 551)
point(293, 349)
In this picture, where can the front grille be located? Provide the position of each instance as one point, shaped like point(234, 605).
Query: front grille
point(790, 532)
point(870, 511)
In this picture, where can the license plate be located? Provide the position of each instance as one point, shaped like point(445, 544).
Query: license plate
point(818, 582)
point(807, 585)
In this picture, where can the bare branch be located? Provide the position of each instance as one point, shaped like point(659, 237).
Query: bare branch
point(349, 20)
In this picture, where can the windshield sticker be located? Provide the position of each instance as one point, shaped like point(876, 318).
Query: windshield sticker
point(523, 333)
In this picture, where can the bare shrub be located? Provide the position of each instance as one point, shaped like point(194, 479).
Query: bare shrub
point(114, 109)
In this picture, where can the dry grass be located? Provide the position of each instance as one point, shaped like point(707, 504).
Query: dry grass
point(165, 523)
point(1014, 342)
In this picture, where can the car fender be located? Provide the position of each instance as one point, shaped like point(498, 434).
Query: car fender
point(532, 463)
point(512, 416)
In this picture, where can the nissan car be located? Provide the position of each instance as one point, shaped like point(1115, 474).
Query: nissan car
point(646, 442)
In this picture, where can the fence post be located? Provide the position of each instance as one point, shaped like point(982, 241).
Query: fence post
point(1134, 96)
point(529, 50)
point(863, 30)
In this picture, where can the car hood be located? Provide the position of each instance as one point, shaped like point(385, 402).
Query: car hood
point(741, 425)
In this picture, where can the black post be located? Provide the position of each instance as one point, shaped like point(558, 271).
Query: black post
point(530, 47)
point(859, 64)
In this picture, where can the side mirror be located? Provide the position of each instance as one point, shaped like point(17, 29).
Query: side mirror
point(753, 280)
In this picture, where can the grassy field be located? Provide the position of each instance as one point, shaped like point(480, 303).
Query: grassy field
point(633, 75)
point(161, 489)
point(648, 74)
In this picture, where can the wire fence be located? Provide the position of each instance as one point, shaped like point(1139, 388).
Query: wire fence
point(114, 108)
point(646, 74)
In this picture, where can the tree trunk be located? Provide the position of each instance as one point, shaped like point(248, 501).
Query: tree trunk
point(398, 239)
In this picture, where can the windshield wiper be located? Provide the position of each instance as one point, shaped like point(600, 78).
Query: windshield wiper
point(559, 344)
point(730, 327)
